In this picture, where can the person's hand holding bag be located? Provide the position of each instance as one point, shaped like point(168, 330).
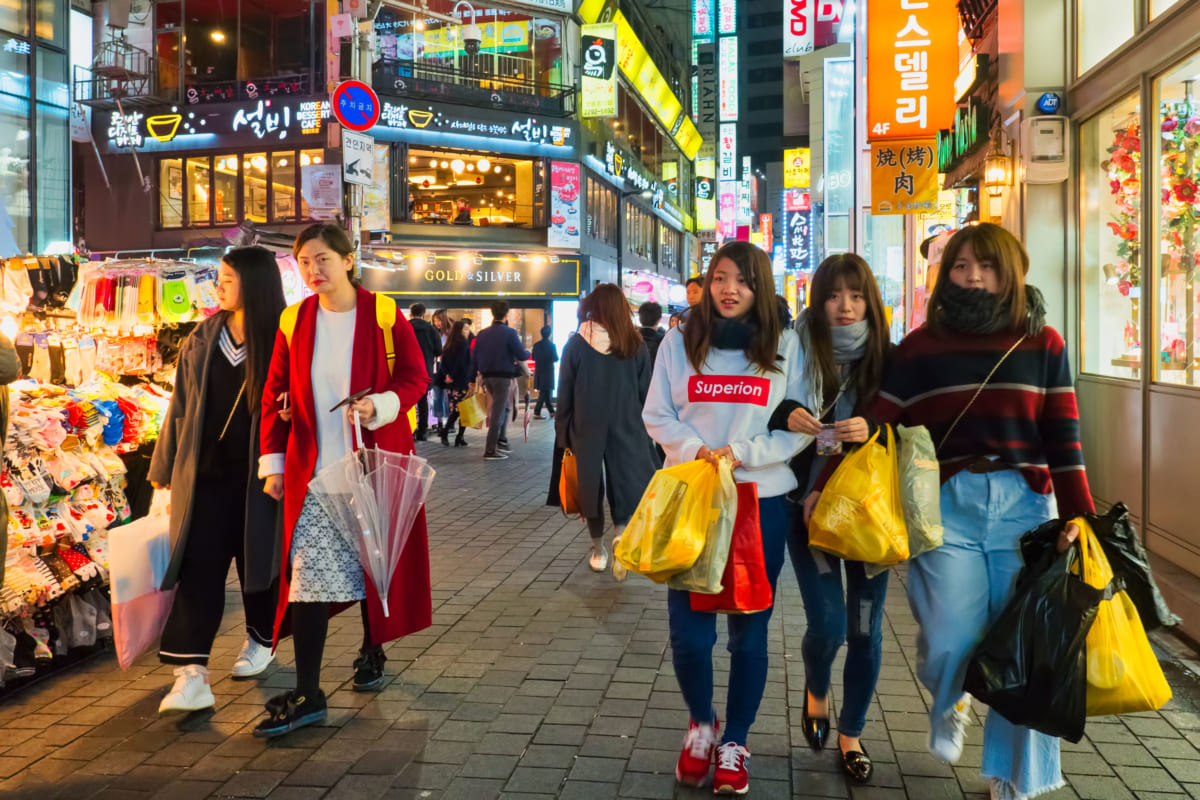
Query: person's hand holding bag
point(274, 486)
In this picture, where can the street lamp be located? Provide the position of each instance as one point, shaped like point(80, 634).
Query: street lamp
point(645, 193)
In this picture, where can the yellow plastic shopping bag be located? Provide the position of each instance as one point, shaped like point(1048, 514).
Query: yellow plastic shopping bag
point(1123, 675)
point(472, 410)
point(668, 529)
point(859, 516)
point(705, 575)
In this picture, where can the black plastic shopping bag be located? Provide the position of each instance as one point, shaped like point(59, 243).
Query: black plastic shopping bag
point(1031, 666)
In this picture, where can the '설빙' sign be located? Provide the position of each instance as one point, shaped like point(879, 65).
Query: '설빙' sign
point(912, 60)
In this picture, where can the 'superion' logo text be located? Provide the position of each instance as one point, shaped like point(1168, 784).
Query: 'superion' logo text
point(728, 389)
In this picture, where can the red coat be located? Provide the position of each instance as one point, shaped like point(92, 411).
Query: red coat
point(409, 597)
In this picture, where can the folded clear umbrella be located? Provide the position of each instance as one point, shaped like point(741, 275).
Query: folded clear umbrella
point(373, 497)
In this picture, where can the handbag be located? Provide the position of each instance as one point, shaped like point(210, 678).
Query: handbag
point(568, 485)
point(472, 410)
point(745, 588)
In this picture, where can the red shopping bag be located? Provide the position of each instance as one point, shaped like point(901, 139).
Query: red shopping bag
point(745, 586)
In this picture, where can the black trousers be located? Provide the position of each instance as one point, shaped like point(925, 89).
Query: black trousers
point(423, 412)
point(543, 397)
point(216, 537)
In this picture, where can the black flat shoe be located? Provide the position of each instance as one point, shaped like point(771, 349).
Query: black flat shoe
point(816, 729)
point(857, 766)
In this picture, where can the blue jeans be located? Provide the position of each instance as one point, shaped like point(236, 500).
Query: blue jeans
point(694, 633)
point(957, 591)
point(855, 618)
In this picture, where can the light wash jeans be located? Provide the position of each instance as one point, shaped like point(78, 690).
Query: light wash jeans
point(957, 591)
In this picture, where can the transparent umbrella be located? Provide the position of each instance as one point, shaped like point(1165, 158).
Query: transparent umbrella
point(373, 497)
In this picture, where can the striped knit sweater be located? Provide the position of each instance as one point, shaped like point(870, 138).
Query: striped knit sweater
point(1026, 416)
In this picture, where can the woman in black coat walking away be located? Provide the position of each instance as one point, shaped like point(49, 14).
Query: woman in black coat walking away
point(545, 354)
point(453, 376)
point(603, 380)
point(207, 455)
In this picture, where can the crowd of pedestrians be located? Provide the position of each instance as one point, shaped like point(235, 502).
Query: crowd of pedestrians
point(267, 396)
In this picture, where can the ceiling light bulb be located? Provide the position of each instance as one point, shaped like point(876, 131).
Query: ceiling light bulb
point(259, 162)
point(283, 162)
point(508, 177)
point(470, 167)
point(445, 164)
point(497, 170)
point(433, 162)
point(412, 159)
point(457, 165)
point(217, 36)
point(483, 164)
point(316, 159)
point(305, 160)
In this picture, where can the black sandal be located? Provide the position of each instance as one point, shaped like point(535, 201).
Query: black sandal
point(287, 712)
point(816, 729)
point(857, 765)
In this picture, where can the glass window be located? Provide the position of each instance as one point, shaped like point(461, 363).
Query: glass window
point(1159, 6)
point(14, 70)
point(274, 45)
point(53, 176)
point(1101, 26)
point(466, 188)
point(14, 17)
point(52, 83)
point(884, 251)
point(283, 186)
point(1110, 156)
point(1177, 187)
point(170, 193)
point(601, 211)
point(225, 187)
point(14, 173)
point(199, 188)
point(52, 21)
point(308, 158)
point(254, 186)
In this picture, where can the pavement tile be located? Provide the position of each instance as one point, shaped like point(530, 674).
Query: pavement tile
point(252, 783)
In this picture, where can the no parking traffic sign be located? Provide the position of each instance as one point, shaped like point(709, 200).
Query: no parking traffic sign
point(356, 105)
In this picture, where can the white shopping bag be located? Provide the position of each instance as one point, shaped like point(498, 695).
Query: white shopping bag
point(139, 553)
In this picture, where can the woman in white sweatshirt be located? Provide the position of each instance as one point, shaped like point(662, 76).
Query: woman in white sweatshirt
point(716, 382)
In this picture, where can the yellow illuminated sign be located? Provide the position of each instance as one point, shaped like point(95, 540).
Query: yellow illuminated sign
point(599, 84)
point(797, 168)
point(164, 127)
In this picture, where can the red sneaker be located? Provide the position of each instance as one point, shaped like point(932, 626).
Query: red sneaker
point(732, 775)
point(695, 760)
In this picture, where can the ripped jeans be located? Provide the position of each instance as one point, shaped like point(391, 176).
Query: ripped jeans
point(855, 619)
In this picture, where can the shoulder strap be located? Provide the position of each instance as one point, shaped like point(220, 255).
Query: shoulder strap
point(385, 315)
point(287, 321)
point(978, 392)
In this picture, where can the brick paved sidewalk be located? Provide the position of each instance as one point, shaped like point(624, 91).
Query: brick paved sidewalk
point(538, 679)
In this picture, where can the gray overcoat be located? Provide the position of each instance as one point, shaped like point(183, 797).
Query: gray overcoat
point(177, 456)
point(600, 399)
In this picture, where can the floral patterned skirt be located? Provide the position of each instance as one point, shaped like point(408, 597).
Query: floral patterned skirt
point(325, 568)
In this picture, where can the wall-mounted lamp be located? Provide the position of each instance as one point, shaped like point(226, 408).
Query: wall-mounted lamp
point(997, 171)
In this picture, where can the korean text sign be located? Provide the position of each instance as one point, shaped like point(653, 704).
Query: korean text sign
point(912, 60)
point(599, 70)
point(904, 176)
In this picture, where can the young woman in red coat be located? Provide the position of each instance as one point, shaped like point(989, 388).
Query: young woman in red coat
point(310, 374)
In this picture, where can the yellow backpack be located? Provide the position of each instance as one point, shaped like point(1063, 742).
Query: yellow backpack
point(385, 317)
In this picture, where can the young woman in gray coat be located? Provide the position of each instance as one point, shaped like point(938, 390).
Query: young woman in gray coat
point(207, 454)
point(602, 383)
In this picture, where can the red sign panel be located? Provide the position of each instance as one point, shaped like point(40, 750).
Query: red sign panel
point(356, 105)
point(912, 60)
point(728, 389)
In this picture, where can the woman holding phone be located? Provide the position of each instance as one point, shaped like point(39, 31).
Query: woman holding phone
point(321, 574)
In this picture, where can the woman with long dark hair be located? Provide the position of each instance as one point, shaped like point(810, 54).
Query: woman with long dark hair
point(716, 382)
point(455, 380)
point(844, 345)
point(992, 383)
point(339, 343)
point(206, 454)
point(603, 379)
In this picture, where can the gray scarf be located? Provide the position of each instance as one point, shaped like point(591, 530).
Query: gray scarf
point(849, 345)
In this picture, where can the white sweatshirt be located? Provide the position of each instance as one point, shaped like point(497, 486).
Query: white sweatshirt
point(729, 403)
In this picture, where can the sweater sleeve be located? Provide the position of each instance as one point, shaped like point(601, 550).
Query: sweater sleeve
point(678, 439)
point(777, 446)
point(1059, 429)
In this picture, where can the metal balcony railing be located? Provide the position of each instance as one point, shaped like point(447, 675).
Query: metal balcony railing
point(475, 87)
point(119, 73)
point(195, 91)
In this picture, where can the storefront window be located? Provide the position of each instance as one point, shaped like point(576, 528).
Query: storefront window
point(1159, 6)
point(52, 21)
point(308, 158)
point(518, 51)
point(254, 186)
point(170, 193)
point(199, 189)
point(283, 186)
point(639, 232)
point(601, 211)
point(1101, 26)
point(1177, 188)
point(14, 170)
point(53, 176)
point(1110, 241)
point(52, 78)
point(466, 188)
point(670, 243)
point(884, 251)
point(225, 192)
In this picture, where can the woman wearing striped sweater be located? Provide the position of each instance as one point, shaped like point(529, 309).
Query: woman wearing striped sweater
point(1008, 452)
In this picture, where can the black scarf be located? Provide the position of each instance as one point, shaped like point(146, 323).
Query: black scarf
point(977, 312)
point(732, 334)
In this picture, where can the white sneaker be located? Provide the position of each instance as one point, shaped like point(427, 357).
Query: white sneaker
point(598, 561)
point(1003, 790)
point(191, 691)
point(619, 569)
point(947, 744)
point(253, 659)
